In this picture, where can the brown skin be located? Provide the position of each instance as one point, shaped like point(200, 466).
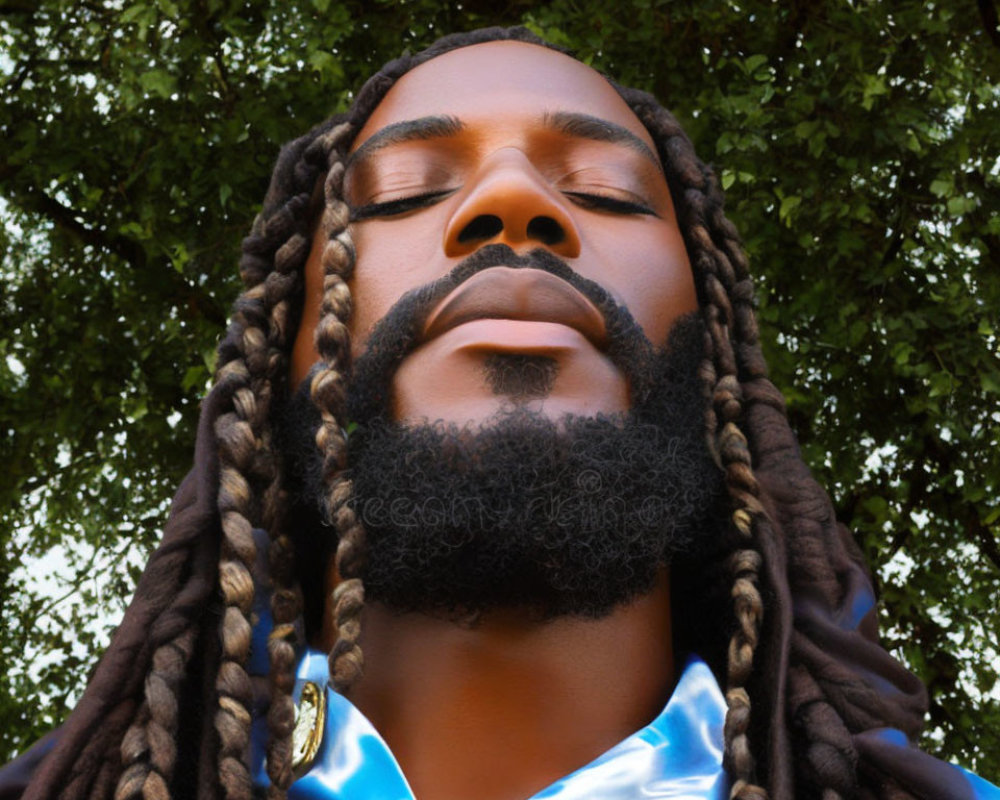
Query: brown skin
point(502, 709)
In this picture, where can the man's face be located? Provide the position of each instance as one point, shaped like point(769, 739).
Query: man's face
point(506, 143)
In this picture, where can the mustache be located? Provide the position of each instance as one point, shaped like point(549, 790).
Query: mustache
point(400, 331)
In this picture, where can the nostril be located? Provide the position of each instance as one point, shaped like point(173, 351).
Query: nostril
point(485, 226)
point(546, 230)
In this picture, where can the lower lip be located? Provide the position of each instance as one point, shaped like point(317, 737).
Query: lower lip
point(514, 336)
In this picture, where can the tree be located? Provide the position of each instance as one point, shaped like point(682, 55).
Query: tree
point(858, 143)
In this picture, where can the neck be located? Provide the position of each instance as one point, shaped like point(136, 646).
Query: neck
point(505, 707)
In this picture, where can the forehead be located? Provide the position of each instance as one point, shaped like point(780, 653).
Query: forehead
point(501, 80)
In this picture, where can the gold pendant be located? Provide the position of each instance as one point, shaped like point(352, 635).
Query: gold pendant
point(310, 717)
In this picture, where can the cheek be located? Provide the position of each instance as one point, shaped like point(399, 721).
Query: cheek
point(393, 258)
point(651, 277)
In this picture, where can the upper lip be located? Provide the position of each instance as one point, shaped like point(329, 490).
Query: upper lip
point(517, 293)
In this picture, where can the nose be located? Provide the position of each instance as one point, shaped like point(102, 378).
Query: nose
point(508, 201)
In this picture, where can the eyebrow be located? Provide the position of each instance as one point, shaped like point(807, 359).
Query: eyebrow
point(406, 131)
point(570, 123)
point(584, 126)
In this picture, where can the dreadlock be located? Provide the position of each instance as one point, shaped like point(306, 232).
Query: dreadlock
point(173, 687)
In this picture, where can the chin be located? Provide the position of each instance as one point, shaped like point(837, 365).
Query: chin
point(466, 383)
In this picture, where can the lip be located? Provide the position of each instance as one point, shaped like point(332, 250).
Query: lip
point(518, 294)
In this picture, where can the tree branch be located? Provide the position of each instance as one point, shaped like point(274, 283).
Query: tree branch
point(988, 13)
point(66, 220)
point(185, 295)
point(987, 542)
point(968, 515)
point(18, 7)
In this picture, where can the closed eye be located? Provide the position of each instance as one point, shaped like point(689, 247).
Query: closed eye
point(399, 205)
point(603, 202)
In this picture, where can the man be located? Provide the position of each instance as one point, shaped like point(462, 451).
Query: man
point(498, 329)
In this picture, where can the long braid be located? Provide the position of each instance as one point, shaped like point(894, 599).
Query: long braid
point(830, 759)
point(149, 748)
point(238, 442)
point(745, 562)
point(747, 516)
point(328, 391)
point(282, 284)
point(247, 478)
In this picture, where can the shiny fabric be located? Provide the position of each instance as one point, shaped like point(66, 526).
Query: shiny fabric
point(678, 755)
point(981, 790)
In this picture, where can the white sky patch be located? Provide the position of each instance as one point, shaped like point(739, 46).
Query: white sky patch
point(15, 365)
point(898, 568)
point(51, 575)
point(879, 457)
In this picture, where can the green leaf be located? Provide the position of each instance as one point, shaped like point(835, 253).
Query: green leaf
point(960, 205)
point(874, 86)
point(943, 187)
point(990, 381)
point(159, 82)
point(788, 206)
point(754, 62)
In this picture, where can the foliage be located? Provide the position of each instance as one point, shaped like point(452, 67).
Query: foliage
point(858, 141)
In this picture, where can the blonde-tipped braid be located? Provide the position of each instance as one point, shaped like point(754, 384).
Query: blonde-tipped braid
point(745, 562)
point(328, 390)
point(237, 445)
point(278, 291)
point(286, 599)
point(149, 748)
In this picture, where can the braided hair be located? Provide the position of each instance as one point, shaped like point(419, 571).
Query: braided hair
point(174, 688)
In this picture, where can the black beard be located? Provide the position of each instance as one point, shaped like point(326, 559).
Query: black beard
point(567, 517)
